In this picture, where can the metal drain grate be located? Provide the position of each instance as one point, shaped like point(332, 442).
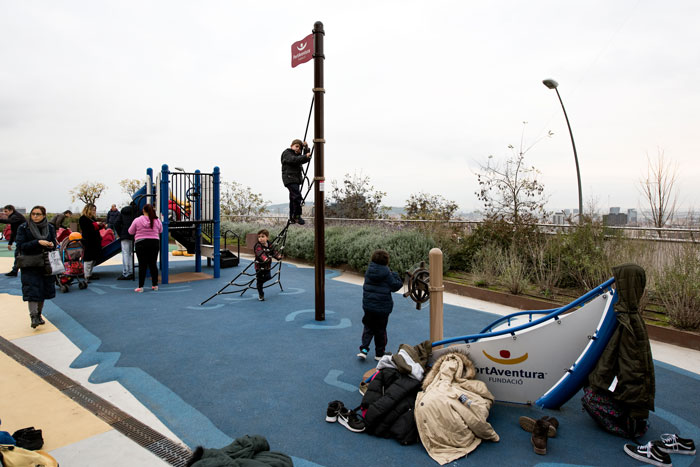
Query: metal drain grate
point(95, 404)
point(171, 452)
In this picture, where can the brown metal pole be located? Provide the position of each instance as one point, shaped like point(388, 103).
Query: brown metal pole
point(319, 178)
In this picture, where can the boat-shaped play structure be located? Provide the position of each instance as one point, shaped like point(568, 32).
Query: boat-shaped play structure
point(540, 357)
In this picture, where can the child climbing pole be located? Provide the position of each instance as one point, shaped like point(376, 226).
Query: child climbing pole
point(293, 158)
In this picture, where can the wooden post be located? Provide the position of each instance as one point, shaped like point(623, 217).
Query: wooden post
point(436, 290)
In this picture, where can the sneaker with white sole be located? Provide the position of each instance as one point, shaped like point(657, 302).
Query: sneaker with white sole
point(648, 453)
point(349, 419)
point(332, 411)
point(673, 444)
point(362, 354)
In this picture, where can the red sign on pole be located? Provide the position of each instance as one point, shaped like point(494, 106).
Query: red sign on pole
point(303, 50)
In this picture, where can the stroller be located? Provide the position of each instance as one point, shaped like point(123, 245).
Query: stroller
point(72, 254)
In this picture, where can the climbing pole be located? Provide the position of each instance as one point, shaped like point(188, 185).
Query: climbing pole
point(246, 280)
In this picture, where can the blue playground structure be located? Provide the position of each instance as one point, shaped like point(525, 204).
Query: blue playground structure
point(188, 205)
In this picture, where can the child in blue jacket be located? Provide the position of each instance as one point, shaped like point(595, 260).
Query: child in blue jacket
point(377, 303)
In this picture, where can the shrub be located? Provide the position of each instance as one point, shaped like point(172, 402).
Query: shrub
point(486, 265)
point(585, 263)
point(679, 288)
point(512, 272)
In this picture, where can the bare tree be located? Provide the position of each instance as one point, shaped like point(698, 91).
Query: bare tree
point(356, 199)
point(130, 186)
point(659, 189)
point(237, 200)
point(87, 192)
point(511, 191)
point(429, 207)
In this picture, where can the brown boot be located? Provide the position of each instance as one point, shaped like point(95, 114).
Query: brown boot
point(528, 424)
point(539, 436)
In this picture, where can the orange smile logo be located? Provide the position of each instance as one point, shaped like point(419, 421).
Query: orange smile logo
point(506, 360)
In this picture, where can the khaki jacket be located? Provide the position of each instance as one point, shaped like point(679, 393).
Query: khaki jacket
point(452, 409)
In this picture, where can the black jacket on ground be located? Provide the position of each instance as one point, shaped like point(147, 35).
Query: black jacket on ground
point(379, 283)
point(126, 217)
point(92, 240)
point(15, 220)
point(36, 285)
point(291, 166)
point(389, 401)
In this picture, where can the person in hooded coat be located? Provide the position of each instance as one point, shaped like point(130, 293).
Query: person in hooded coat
point(33, 238)
point(628, 353)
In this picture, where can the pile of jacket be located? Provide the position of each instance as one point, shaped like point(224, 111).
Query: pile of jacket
point(446, 408)
point(452, 409)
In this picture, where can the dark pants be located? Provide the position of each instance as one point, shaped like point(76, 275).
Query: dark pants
point(375, 327)
point(294, 199)
point(263, 275)
point(147, 252)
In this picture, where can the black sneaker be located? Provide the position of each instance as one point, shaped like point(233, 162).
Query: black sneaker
point(11, 274)
point(261, 297)
point(332, 411)
point(648, 453)
point(672, 444)
point(123, 278)
point(300, 221)
point(349, 419)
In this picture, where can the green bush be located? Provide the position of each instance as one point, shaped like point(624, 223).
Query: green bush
point(679, 288)
point(585, 262)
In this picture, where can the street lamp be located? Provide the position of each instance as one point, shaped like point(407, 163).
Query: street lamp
point(551, 84)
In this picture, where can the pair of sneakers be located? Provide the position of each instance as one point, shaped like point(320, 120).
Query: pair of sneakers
point(657, 452)
point(337, 412)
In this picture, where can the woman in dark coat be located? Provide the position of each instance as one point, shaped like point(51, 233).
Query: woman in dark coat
point(92, 240)
point(33, 238)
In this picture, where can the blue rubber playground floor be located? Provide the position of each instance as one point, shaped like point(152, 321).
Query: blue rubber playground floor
point(237, 366)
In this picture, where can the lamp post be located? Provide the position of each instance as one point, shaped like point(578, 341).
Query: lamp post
point(551, 84)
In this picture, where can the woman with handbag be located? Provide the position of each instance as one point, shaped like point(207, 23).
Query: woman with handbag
point(34, 239)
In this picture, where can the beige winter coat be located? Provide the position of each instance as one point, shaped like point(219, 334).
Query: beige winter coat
point(452, 409)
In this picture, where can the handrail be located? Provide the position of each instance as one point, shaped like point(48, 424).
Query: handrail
point(583, 298)
point(553, 315)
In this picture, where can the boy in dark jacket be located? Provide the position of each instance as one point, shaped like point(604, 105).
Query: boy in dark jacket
point(15, 220)
point(264, 252)
point(377, 303)
point(292, 160)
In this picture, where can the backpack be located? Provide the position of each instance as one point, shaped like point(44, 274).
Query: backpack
point(7, 232)
point(611, 415)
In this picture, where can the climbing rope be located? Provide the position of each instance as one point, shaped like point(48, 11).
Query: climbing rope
point(278, 243)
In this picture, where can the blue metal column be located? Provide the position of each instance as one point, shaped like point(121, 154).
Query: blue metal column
point(198, 226)
point(164, 197)
point(217, 225)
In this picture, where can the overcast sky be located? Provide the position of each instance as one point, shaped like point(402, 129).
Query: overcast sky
point(418, 93)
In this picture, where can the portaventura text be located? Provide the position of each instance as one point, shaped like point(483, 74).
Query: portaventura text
point(511, 373)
